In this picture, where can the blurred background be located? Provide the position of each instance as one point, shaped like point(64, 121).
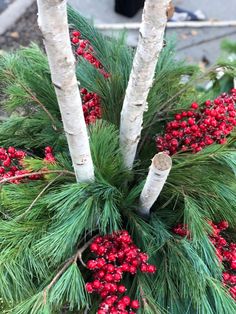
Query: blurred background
point(18, 23)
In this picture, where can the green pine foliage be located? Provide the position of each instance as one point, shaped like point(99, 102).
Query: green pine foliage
point(45, 222)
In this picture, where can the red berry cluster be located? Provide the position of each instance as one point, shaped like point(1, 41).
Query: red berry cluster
point(225, 251)
point(116, 255)
point(91, 101)
point(91, 106)
point(83, 48)
point(197, 128)
point(11, 161)
point(12, 164)
point(182, 230)
point(49, 157)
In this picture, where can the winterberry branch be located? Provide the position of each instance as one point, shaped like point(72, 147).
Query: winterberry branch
point(167, 106)
point(25, 175)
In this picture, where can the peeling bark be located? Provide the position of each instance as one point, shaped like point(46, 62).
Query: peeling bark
point(52, 20)
point(157, 175)
point(135, 103)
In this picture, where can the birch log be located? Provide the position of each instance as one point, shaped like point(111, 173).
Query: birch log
point(52, 20)
point(157, 175)
point(135, 103)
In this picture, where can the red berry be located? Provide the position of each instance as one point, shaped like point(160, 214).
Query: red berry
point(76, 33)
point(194, 105)
point(96, 284)
point(121, 289)
point(135, 304)
point(92, 264)
point(11, 150)
point(75, 40)
point(151, 268)
point(126, 300)
point(89, 287)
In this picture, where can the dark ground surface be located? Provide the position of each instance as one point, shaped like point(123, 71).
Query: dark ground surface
point(23, 32)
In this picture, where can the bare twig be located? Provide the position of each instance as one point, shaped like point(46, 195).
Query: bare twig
point(78, 255)
point(143, 297)
point(70, 261)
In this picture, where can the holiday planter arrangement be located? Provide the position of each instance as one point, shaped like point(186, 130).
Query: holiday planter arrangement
point(117, 173)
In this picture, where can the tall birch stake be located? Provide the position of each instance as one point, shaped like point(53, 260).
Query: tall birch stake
point(157, 175)
point(135, 103)
point(52, 20)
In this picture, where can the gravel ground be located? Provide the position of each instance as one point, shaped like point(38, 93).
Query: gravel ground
point(23, 32)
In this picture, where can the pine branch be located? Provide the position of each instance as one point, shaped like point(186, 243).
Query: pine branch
point(34, 99)
point(37, 198)
point(141, 78)
point(73, 259)
point(62, 65)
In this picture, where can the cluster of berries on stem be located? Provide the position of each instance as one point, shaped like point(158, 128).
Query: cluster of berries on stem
point(12, 164)
point(225, 251)
point(49, 157)
point(11, 161)
point(199, 127)
point(83, 48)
point(91, 106)
point(91, 101)
point(116, 254)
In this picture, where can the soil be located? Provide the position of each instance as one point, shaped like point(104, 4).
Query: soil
point(23, 32)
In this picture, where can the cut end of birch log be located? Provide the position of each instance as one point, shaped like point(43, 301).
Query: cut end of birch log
point(162, 161)
point(157, 176)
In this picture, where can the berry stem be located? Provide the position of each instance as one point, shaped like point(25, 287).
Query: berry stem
point(25, 175)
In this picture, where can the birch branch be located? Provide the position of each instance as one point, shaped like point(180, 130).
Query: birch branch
point(157, 175)
point(52, 20)
point(135, 103)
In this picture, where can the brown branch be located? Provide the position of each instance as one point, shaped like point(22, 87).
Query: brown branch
point(35, 173)
point(145, 303)
point(36, 100)
point(70, 261)
point(78, 255)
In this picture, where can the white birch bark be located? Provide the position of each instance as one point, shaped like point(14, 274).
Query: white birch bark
point(157, 175)
point(52, 20)
point(135, 103)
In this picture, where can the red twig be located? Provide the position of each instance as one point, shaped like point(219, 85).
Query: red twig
point(25, 175)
